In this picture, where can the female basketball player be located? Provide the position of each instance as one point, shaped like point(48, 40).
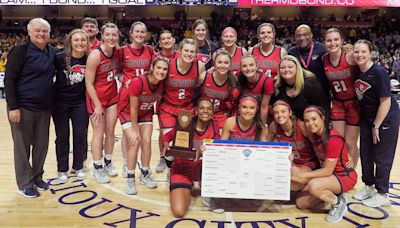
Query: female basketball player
point(267, 54)
point(340, 72)
point(299, 87)
point(136, 59)
point(143, 92)
point(206, 48)
point(379, 127)
point(101, 100)
point(287, 128)
point(184, 171)
point(246, 126)
point(328, 183)
point(220, 87)
point(253, 81)
point(229, 38)
point(166, 43)
point(69, 103)
point(180, 86)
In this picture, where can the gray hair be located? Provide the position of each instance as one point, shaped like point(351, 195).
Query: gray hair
point(38, 20)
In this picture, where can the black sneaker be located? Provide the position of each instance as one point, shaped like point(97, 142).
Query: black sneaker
point(29, 192)
point(41, 185)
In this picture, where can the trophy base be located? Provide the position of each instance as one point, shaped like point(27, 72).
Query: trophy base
point(178, 153)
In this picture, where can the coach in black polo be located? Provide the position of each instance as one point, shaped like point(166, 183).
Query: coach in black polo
point(28, 86)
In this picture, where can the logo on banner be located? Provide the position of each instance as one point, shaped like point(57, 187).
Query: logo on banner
point(247, 152)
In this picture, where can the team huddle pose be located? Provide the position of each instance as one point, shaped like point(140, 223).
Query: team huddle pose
point(320, 98)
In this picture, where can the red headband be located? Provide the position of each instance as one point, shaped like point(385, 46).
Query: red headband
point(313, 109)
point(249, 98)
point(282, 102)
point(229, 29)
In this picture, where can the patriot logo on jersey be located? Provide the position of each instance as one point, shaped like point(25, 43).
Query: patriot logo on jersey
point(361, 87)
point(76, 74)
point(203, 58)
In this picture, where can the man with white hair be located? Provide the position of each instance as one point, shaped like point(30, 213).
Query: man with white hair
point(28, 86)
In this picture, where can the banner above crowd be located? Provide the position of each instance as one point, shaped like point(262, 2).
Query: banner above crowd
point(320, 3)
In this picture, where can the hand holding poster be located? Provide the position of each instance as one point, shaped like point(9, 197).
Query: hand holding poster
point(255, 170)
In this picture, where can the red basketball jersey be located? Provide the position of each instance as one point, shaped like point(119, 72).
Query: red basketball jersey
point(135, 62)
point(174, 55)
point(147, 93)
point(244, 135)
point(269, 64)
point(341, 77)
point(211, 132)
point(105, 83)
point(336, 148)
point(264, 86)
point(179, 88)
point(235, 61)
point(218, 94)
point(301, 146)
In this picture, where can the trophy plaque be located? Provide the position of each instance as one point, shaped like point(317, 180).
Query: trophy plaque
point(183, 138)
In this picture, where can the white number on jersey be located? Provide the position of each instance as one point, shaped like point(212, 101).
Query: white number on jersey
point(181, 94)
point(339, 86)
point(139, 72)
point(147, 106)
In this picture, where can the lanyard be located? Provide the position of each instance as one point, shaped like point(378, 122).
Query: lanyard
point(309, 57)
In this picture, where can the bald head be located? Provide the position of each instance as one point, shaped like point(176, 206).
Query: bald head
point(303, 36)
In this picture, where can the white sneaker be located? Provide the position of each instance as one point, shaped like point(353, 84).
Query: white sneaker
point(130, 186)
point(366, 192)
point(377, 200)
point(206, 201)
point(337, 212)
point(148, 181)
point(161, 166)
point(80, 174)
point(111, 170)
point(101, 176)
point(62, 177)
point(124, 172)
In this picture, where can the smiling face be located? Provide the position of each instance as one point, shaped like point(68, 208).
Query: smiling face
point(167, 41)
point(314, 122)
point(188, 52)
point(287, 70)
point(282, 114)
point(333, 42)
point(160, 69)
point(205, 110)
point(266, 34)
point(248, 67)
point(222, 63)
point(247, 110)
point(91, 29)
point(79, 42)
point(110, 36)
point(200, 32)
point(303, 37)
point(361, 53)
point(39, 34)
point(228, 39)
point(138, 34)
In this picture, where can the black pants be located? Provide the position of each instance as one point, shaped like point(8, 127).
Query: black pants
point(31, 132)
point(78, 115)
point(377, 159)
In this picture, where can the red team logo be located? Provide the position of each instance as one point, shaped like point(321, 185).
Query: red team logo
point(361, 88)
point(76, 74)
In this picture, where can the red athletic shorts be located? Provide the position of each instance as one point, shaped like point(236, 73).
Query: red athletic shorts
point(348, 111)
point(347, 180)
point(311, 164)
point(167, 114)
point(184, 172)
point(107, 99)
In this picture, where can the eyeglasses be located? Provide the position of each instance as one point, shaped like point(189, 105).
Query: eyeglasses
point(302, 35)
